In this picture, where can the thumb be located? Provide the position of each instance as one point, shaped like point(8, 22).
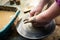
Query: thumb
point(32, 19)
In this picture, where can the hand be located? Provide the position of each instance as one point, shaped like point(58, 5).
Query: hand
point(42, 19)
point(38, 8)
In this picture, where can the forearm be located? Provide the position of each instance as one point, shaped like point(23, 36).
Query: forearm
point(53, 11)
point(43, 2)
point(50, 13)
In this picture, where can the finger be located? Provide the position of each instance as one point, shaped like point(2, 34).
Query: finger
point(32, 13)
point(32, 19)
point(36, 13)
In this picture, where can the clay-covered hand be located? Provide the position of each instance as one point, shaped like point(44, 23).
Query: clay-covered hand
point(41, 19)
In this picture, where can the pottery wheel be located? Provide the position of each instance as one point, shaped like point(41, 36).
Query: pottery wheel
point(27, 31)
